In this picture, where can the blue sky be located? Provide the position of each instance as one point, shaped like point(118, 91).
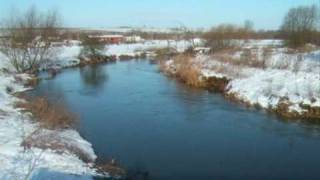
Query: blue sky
point(266, 14)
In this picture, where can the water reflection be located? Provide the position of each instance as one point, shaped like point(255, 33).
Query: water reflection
point(94, 76)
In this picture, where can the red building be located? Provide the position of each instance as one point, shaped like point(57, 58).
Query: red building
point(109, 39)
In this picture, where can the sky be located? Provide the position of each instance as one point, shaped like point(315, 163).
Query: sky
point(265, 14)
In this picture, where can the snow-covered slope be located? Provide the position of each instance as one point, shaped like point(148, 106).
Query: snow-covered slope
point(267, 81)
point(136, 48)
point(67, 56)
point(17, 162)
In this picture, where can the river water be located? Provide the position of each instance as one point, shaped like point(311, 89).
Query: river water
point(158, 128)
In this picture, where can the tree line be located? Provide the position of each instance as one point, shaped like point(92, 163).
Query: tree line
point(27, 38)
point(300, 26)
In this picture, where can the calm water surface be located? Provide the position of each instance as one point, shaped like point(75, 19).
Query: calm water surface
point(153, 124)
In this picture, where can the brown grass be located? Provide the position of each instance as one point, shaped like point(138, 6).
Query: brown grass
point(112, 168)
point(230, 70)
point(55, 142)
point(248, 58)
point(162, 66)
point(32, 82)
point(218, 85)
point(187, 71)
point(49, 115)
point(164, 53)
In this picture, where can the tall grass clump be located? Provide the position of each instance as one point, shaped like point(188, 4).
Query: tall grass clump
point(49, 115)
point(187, 71)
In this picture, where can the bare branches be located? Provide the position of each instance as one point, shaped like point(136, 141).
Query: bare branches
point(29, 37)
point(300, 25)
point(225, 35)
point(92, 47)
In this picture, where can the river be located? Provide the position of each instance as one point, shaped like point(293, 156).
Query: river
point(166, 130)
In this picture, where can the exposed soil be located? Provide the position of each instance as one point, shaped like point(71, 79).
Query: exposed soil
point(96, 60)
point(217, 85)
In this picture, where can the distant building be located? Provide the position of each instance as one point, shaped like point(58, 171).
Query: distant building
point(133, 39)
point(109, 39)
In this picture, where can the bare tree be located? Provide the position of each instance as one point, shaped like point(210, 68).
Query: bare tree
point(92, 47)
point(188, 35)
point(29, 37)
point(248, 29)
point(248, 25)
point(224, 36)
point(300, 24)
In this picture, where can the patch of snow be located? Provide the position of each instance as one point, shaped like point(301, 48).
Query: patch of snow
point(17, 162)
point(66, 56)
point(268, 87)
point(263, 43)
point(136, 48)
point(209, 73)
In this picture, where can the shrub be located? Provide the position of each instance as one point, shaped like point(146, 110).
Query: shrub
point(33, 81)
point(248, 58)
point(91, 47)
point(162, 64)
point(266, 55)
point(251, 59)
point(186, 70)
point(49, 115)
point(164, 53)
point(297, 63)
point(225, 36)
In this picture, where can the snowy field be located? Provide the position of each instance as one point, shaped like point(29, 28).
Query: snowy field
point(293, 77)
point(69, 55)
point(138, 48)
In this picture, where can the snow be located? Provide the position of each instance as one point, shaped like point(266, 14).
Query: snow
point(68, 56)
point(51, 175)
point(295, 76)
point(15, 126)
point(263, 43)
point(138, 29)
point(4, 62)
point(209, 73)
point(267, 87)
point(138, 48)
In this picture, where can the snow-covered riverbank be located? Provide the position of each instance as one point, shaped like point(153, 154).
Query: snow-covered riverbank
point(68, 56)
point(18, 162)
point(263, 74)
point(279, 78)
